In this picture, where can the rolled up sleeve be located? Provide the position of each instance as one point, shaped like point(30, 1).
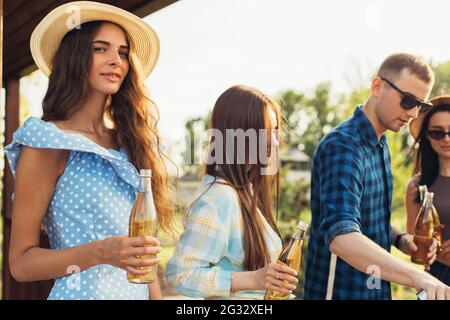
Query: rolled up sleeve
point(341, 188)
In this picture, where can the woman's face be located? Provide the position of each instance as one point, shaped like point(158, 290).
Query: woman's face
point(440, 122)
point(109, 59)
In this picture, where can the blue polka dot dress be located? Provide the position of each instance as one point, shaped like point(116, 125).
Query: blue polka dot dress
point(92, 200)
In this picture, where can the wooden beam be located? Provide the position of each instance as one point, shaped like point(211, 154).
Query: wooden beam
point(151, 6)
point(12, 6)
point(11, 125)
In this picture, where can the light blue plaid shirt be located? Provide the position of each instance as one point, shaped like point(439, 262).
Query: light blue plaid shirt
point(212, 245)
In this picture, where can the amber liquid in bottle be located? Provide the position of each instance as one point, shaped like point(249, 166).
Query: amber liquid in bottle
point(291, 256)
point(438, 227)
point(144, 222)
point(424, 230)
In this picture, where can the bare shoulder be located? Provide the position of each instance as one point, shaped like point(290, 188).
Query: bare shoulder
point(412, 186)
point(44, 161)
point(413, 182)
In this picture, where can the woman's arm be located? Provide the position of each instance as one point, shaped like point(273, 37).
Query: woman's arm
point(194, 270)
point(154, 290)
point(36, 176)
point(270, 277)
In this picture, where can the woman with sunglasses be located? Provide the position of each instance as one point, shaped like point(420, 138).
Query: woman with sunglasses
point(431, 131)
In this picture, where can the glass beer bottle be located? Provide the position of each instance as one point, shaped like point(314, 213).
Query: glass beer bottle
point(144, 222)
point(438, 227)
point(424, 230)
point(290, 256)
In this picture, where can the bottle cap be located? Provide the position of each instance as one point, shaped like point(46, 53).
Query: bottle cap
point(145, 173)
point(302, 225)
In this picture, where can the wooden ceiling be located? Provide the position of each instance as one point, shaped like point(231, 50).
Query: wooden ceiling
point(22, 16)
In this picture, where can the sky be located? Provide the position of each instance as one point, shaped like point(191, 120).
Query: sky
point(209, 45)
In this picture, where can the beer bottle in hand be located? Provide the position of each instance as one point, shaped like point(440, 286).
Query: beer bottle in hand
point(424, 230)
point(144, 222)
point(438, 227)
point(290, 256)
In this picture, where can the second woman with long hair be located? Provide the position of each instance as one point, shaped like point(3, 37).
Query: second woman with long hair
point(431, 131)
point(231, 241)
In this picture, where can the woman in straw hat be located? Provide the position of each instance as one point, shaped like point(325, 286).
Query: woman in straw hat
point(76, 169)
point(431, 131)
point(230, 235)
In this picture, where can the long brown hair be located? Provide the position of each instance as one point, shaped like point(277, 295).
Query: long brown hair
point(133, 114)
point(426, 159)
point(242, 107)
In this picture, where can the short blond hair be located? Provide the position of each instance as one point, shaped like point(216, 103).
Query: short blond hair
point(393, 65)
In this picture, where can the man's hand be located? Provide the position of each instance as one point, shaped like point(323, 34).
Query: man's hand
point(408, 247)
point(444, 253)
point(435, 289)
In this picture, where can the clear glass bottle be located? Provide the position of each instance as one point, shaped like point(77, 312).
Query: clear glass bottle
point(144, 222)
point(291, 256)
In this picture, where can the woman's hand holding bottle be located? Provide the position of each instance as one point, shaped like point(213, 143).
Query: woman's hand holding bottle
point(123, 252)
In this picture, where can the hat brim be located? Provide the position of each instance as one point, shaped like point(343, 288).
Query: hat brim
point(47, 35)
point(415, 125)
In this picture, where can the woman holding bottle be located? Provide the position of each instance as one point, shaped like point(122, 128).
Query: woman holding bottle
point(76, 169)
point(231, 241)
point(431, 131)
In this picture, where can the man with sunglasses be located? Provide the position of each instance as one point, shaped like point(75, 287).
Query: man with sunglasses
point(351, 192)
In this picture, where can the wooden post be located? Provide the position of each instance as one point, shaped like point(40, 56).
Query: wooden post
point(12, 289)
point(1, 43)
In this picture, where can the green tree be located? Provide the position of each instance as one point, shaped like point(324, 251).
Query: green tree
point(308, 119)
point(442, 76)
point(193, 146)
point(292, 105)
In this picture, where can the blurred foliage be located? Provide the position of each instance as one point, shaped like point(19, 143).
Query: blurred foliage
point(308, 118)
point(442, 76)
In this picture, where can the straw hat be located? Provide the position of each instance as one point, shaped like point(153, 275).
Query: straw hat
point(48, 34)
point(415, 124)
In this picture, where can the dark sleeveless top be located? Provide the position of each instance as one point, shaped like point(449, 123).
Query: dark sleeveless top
point(441, 189)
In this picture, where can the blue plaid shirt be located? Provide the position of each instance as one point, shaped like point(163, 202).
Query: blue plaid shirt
point(351, 191)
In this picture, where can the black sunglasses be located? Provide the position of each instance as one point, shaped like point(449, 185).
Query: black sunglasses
point(438, 134)
point(408, 101)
